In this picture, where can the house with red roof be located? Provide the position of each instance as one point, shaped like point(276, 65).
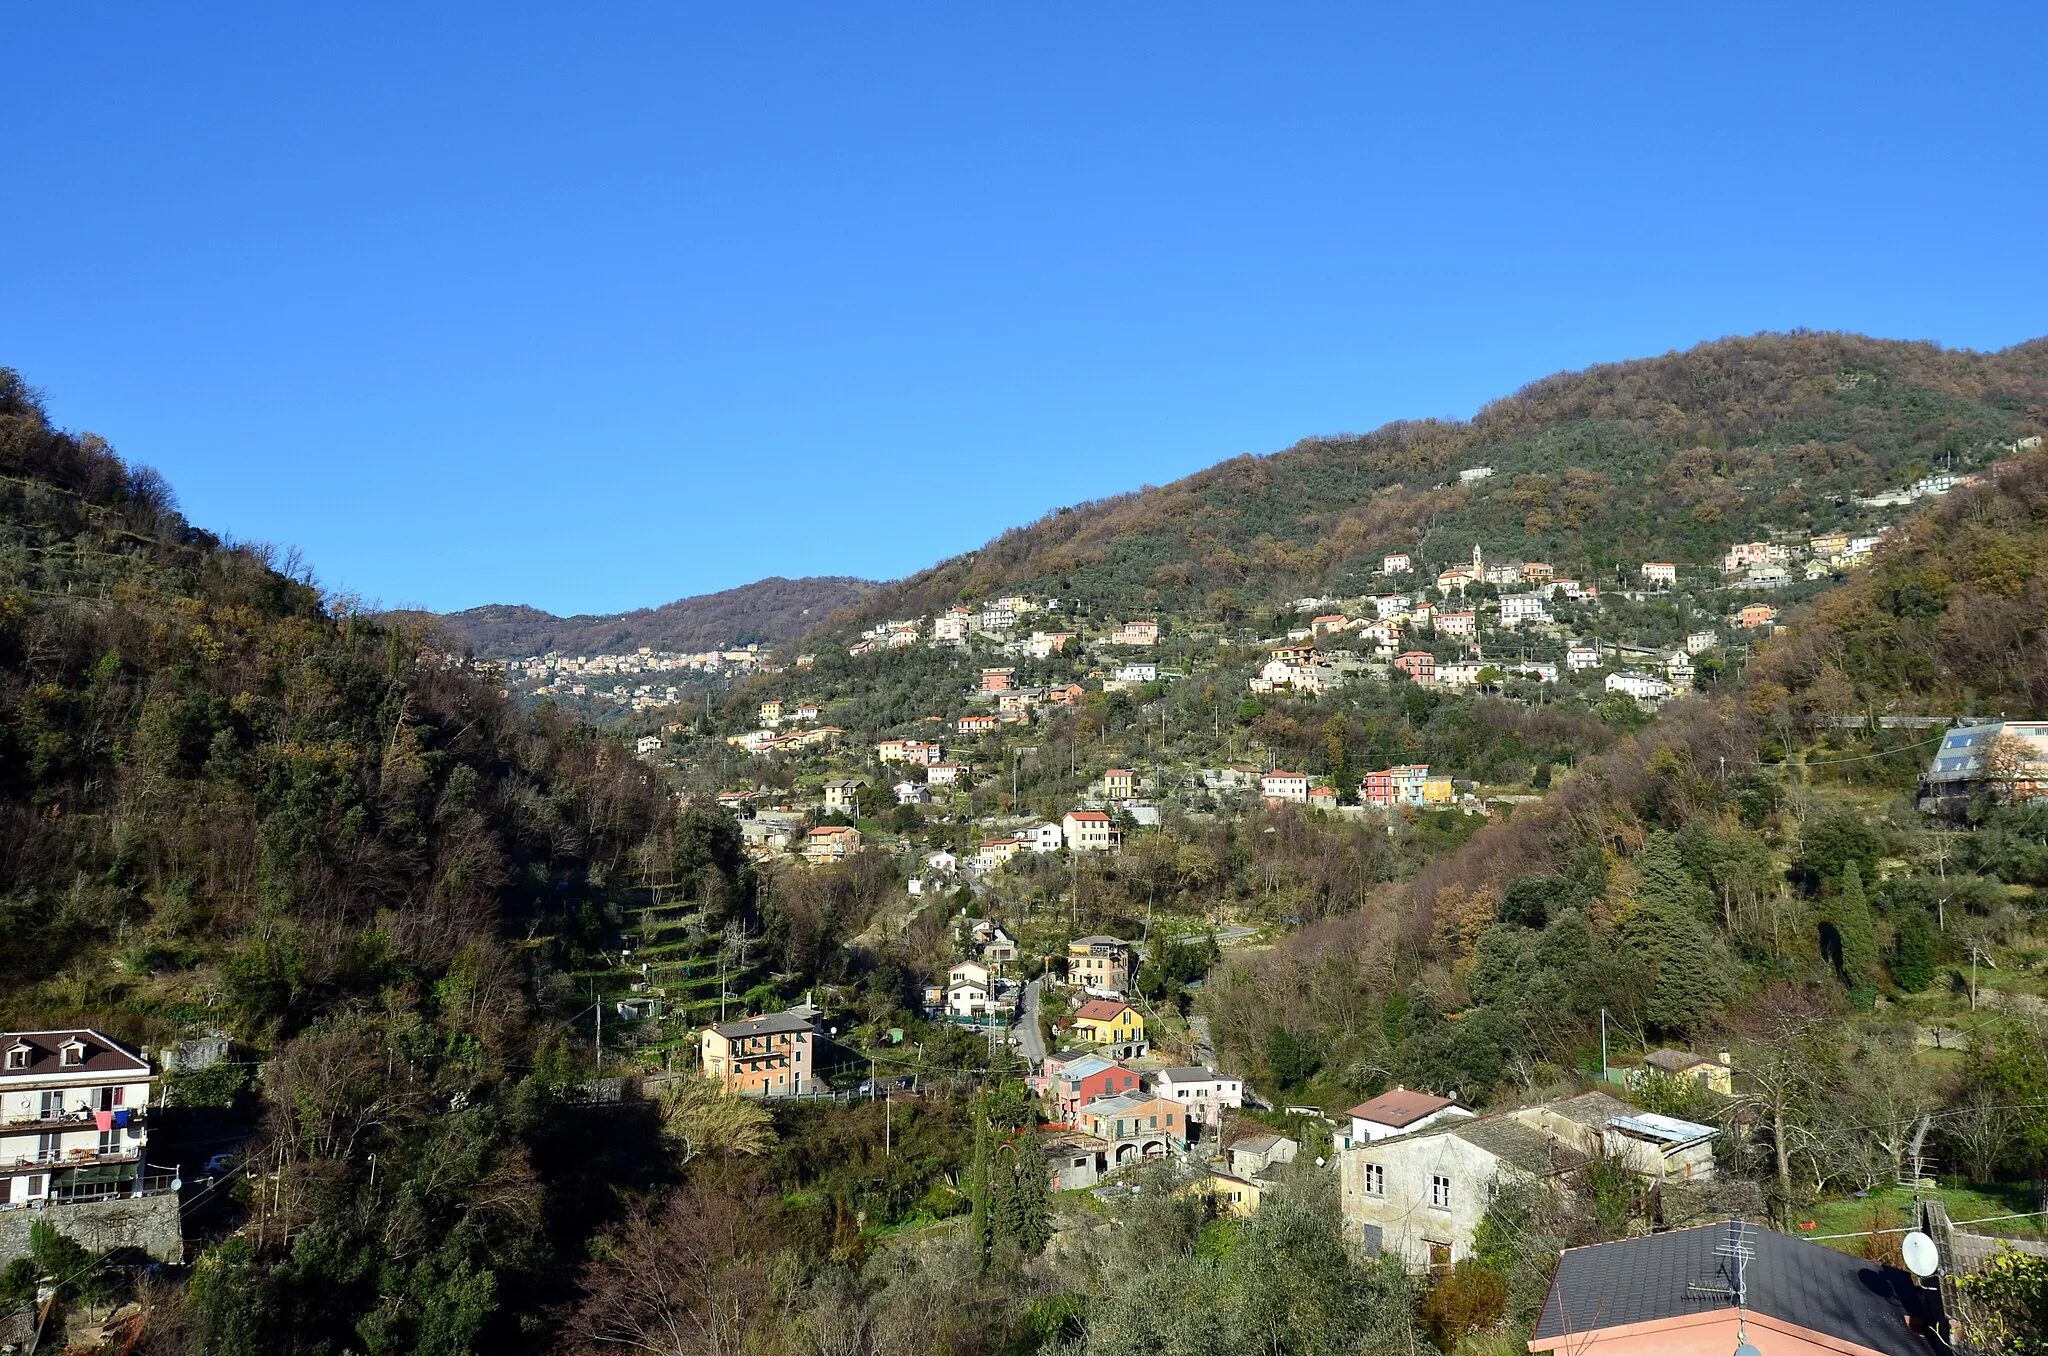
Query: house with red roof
point(1088, 831)
point(1402, 1111)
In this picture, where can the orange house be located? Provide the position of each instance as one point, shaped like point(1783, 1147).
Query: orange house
point(770, 1056)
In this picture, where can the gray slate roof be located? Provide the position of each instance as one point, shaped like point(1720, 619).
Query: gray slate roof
point(771, 1025)
point(1512, 1142)
point(1593, 1109)
point(1642, 1280)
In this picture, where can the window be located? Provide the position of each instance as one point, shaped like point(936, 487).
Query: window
point(74, 1052)
point(1375, 1180)
point(110, 1141)
point(35, 1185)
point(17, 1058)
point(1439, 1254)
point(53, 1103)
point(1439, 1191)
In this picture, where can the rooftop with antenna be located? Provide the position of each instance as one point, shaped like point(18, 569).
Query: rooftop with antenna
point(1724, 1286)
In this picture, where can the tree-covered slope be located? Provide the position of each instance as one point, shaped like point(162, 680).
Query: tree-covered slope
point(223, 806)
point(1745, 857)
point(1664, 458)
point(767, 612)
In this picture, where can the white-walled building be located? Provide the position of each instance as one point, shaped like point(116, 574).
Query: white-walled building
point(1403, 1111)
point(1203, 1091)
point(1641, 686)
point(74, 1118)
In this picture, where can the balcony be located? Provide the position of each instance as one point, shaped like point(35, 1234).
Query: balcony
point(73, 1117)
point(71, 1158)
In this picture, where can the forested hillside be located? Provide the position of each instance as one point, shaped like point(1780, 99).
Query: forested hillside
point(1747, 870)
point(1594, 471)
point(223, 807)
point(766, 612)
point(422, 916)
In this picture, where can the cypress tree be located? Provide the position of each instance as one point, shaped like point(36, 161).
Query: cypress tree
point(1914, 951)
point(1850, 914)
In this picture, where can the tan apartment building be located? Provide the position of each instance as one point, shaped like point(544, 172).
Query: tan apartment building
point(770, 1056)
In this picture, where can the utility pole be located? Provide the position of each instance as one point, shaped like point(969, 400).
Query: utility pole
point(1603, 1045)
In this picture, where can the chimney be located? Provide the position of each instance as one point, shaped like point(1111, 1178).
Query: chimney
point(1726, 1060)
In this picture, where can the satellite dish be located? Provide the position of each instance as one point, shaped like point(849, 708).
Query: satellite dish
point(1922, 1258)
point(1747, 1350)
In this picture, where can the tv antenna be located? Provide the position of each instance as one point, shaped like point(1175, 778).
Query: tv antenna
point(1736, 1256)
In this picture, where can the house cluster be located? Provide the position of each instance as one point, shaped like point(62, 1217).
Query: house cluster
point(999, 620)
point(765, 741)
point(974, 994)
point(1417, 1171)
point(1384, 788)
point(602, 676)
point(1075, 831)
point(1106, 1116)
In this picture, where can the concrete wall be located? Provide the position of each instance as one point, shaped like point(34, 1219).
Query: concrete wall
point(149, 1225)
point(1403, 1218)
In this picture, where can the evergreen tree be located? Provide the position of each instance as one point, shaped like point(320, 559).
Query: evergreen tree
point(1020, 1206)
point(1914, 950)
point(1850, 913)
point(1666, 880)
point(1688, 975)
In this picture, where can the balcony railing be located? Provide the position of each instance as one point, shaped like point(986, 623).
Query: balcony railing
point(75, 1116)
point(72, 1158)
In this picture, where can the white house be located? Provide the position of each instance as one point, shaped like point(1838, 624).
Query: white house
point(942, 862)
point(1474, 475)
point(1204, 1092)
point(74, 1118)
point(1044, 838)
point(1421, 1196)
point(912, 793)
point(1517, 608)
point(1660, 573)
point(1088, 831)
point(1398, 563)
point(647, 744)
point(1641, 686)
point(1392, 605)
point(1403, 1111)
point(1579, 658)
point(1137, 673)
point(945, 774)
point(1284, 786)
point(1700, 641)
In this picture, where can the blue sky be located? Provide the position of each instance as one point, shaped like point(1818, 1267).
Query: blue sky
point(597, 306)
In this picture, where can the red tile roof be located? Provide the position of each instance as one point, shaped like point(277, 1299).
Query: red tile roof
point(1100, 1010)
point(1401, 1107)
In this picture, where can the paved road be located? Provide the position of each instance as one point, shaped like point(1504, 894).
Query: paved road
point(1030, 1041)
point(1236, 932)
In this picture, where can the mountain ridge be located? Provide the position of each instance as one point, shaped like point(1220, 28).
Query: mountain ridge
point(1601, 454)
point(769, 611)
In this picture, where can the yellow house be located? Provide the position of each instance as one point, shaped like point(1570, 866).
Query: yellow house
point(1437, 791)
point(1106, 1022)
point(1239, 1196)
point(1119, 784)
point(1715, 1075)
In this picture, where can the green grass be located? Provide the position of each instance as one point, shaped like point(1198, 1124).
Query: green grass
point(1891, 1208)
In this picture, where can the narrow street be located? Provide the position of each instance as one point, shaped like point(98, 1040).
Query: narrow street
point(1030, 1042)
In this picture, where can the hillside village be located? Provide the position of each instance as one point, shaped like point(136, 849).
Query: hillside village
point(1458, 928)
